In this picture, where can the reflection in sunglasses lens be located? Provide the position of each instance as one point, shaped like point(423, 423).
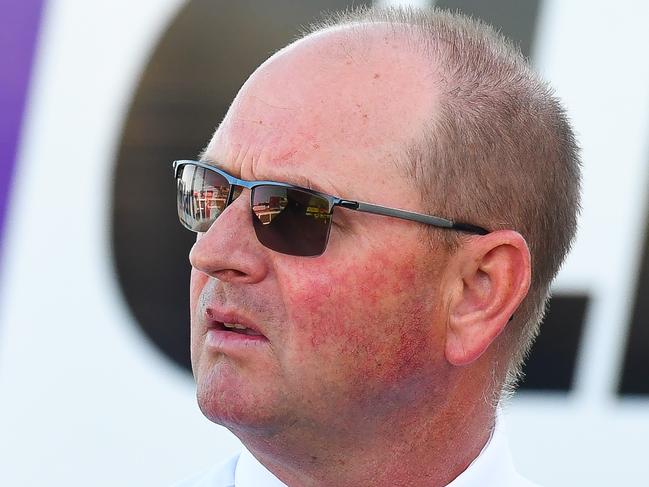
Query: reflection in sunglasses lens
point(202, 196)
point(291, 221)
point(268, 204)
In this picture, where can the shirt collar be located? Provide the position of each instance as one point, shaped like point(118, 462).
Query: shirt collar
point(250, 473)
point(494, 464)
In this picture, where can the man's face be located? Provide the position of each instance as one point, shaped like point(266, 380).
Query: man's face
point(358, 331)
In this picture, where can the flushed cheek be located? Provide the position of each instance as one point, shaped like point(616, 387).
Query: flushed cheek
point(366, 313)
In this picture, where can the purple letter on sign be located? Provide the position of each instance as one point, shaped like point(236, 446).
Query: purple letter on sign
point(19, 21)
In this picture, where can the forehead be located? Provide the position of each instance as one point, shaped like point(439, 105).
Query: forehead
point(335, 108)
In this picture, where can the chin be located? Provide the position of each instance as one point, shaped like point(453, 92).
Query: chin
point(236, 406)
point(243, 421)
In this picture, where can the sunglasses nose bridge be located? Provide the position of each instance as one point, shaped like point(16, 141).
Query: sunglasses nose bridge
point(235, 192)
point(228, 250)
point(235, 215)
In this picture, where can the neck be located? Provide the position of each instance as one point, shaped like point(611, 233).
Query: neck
point(409, 447)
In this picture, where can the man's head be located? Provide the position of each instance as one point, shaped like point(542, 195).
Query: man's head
point(395, 320)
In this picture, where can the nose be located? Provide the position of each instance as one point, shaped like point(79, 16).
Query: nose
point(229, 250)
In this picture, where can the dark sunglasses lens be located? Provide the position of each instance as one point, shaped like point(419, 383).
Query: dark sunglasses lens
point(291, 221)
point(202, 196)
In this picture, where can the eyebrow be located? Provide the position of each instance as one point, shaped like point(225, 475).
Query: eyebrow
point(295, 180)
point(305, 182)
point(208, 160)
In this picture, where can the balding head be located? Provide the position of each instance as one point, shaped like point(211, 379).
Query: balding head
point(354, 96)
point(448, 101)
point(496, 149)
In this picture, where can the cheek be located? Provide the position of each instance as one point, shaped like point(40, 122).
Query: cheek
point(361, 317)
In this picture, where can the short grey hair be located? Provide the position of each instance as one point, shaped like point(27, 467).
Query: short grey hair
point(501, 152)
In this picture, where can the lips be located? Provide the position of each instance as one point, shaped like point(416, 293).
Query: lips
point(230, 332)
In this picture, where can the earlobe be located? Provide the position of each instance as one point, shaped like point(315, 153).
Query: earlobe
point(493, 274)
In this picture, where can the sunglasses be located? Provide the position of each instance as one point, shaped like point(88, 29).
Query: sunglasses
point(286, 218)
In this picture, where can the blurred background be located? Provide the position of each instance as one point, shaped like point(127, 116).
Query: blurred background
point(96, 100)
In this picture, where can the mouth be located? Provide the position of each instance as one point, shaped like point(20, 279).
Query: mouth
point(233, 338)
point(231, 333)
point(236, 328)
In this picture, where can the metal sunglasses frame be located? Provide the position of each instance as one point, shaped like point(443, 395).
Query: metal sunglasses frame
point(335, 201)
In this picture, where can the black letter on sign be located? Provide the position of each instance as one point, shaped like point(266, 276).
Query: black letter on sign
point(636, 364)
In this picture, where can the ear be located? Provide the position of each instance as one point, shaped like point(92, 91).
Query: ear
point(492, 276)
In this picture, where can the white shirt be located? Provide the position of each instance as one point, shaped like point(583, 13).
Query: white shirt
point(492, 468)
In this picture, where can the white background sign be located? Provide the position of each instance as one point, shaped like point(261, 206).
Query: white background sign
point(85, 399)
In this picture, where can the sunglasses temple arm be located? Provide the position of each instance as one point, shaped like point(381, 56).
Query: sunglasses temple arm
point(407, 215)
point(435, 221)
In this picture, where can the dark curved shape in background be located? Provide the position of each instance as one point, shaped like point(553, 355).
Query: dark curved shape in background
point(203, 58)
